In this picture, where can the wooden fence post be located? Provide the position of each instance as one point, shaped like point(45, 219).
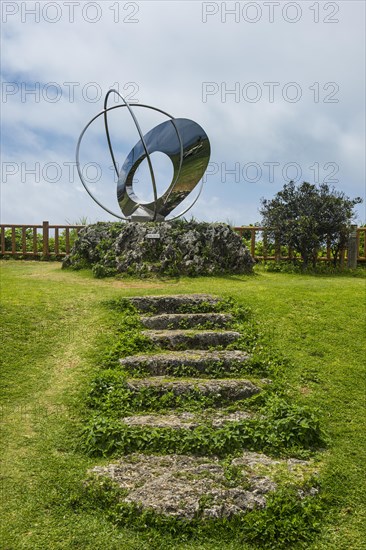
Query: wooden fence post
point(56, 241)
point(352, 248)
point(13, 241)
point(252, 242)
point(277, 248)
point(45, 228)
point(3, 240)
point(67, 240)
point(24, 241)
point(35, 247)
point(265, 245)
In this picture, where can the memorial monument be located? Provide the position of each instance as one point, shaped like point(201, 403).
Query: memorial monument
point(151, 242)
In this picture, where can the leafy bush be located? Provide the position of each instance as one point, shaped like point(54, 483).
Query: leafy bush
point(100, 271)
point(307, 217)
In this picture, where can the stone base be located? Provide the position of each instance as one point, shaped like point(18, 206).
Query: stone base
point(167, 248)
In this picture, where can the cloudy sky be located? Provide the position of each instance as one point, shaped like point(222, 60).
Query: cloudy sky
point(278, 87)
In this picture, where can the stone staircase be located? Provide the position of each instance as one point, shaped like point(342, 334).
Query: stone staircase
point(192, 351)
point(192, 363)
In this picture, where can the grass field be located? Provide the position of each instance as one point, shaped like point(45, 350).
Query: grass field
point(53, 327)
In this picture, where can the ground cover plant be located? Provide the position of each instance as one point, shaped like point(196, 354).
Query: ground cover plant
point(55, 336)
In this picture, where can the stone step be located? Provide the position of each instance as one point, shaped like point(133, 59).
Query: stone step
point(184, 486)
point(186, 420)
point(188, 363)
point(183, 303)
point(183, 339)
point(187, 320)
point(222, 390)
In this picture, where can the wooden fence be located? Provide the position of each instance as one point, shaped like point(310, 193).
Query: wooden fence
point(356, 243)
point(45, 240)
point(20, 243)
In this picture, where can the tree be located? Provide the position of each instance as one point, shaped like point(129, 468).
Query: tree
point(307, 217)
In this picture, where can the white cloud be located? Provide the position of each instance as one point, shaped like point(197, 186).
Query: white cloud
point(166, 57)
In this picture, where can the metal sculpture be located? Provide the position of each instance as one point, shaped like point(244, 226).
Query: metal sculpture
point(181, 139)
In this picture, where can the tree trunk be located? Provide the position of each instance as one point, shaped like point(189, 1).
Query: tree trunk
point(305, 260)
point(314, 257)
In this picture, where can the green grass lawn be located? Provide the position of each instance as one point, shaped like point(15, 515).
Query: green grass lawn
point(53, 328)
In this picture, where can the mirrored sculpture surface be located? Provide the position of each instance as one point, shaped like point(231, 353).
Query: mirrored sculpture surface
point(182, 140)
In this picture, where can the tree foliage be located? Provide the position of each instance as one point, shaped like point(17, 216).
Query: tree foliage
point(307, 217)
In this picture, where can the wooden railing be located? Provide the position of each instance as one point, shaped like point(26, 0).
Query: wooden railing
point(278, 250)
point(39, 243)
point(45, 241)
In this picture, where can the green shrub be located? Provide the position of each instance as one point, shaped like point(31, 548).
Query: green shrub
point(100, 271)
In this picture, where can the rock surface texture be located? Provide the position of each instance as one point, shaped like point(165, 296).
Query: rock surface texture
point(186, 339)
point(175, 485)
point(167, 248)
point(182, 321)
point(176, 362)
